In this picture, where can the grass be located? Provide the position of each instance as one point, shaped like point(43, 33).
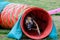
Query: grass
point(46, 4)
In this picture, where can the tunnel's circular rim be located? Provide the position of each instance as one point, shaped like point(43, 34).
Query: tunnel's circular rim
point(46, 31)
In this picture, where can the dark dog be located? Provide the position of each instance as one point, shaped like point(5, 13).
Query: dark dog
point(32, 24)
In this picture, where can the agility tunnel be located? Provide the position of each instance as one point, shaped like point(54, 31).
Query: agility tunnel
point(12, 12)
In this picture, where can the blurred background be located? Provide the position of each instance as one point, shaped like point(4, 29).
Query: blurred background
point(46, 4)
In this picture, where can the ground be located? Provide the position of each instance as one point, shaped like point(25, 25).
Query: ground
point(46, 4)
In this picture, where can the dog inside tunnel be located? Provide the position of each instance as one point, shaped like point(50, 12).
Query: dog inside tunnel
point(40, 20)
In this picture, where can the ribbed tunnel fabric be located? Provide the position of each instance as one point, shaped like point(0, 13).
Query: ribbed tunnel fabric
point(2, 6)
